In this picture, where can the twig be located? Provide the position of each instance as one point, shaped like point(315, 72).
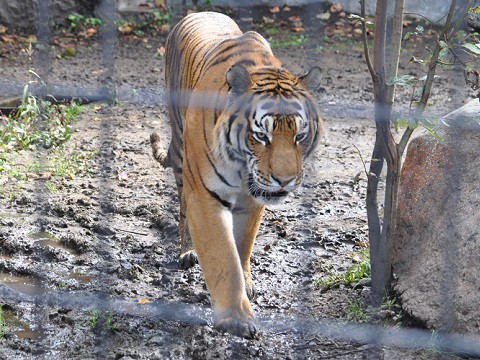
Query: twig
point(365, 42)
point(361, 158)
point(131, 232)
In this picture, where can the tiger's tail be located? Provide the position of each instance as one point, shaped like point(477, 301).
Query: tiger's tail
point(157, 151)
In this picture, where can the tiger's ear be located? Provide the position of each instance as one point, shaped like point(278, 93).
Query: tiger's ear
point(238, 79)
point(311, 80)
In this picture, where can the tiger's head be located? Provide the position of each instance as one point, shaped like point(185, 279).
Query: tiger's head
point(273, 125)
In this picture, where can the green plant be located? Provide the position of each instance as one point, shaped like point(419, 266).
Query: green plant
point(3, 323)
point(289, 40)
point(109, 325)
point(61, 285)
point(77, 22)
point(50, 186)
point(92, 320)
point(356, 310)
point(353, 274)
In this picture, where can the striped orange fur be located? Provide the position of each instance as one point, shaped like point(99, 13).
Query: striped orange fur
point(241, 127)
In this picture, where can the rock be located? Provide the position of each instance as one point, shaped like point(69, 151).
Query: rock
point(23, 14)
point(437, 245)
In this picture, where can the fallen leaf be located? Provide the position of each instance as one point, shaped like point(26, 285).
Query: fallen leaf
point(274, 10)
point(7, 39)
point(298, 29)
point(343, 15)
point(3, 29)
point(98, 108)
point(90, 32)
point(294, 18)
point(45, 175)
point(361, 244)
point(161, 50)
point(125, 29)
point(267, 20)
point(32, 176)
point(143, 301)
point(286, 8)
point(165, 28)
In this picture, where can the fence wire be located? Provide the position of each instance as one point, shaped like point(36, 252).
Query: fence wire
point(376, 335)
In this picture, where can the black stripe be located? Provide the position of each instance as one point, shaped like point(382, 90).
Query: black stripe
point(230, 124)
point(214, 194)
point(246, 62)
point(240, 128)
point(220, 176)
point(218, 198)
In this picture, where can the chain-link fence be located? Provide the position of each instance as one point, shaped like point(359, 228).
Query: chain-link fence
point(106, 297)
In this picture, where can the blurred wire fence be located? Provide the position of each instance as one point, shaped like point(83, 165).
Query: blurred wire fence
point(375, 335)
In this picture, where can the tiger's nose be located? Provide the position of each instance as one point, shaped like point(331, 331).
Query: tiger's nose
point(284, 181)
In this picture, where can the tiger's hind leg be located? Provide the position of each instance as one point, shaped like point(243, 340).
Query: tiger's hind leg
point(188, 256)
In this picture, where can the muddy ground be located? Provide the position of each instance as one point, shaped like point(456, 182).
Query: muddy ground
point(80, 254)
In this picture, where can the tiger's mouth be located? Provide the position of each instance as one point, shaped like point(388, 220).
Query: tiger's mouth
point(266, 196)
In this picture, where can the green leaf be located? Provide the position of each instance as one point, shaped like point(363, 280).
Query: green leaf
point(404, 80)
point(434, 134)
point(417, 60)
point(475, 10)
point(443, 44)
point(419, 29)
point(443, 54)
point(474, 48)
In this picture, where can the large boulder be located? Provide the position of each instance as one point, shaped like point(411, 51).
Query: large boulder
point(23, 15)
point(437, 246)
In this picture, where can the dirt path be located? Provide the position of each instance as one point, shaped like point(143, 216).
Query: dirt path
point(83, 253)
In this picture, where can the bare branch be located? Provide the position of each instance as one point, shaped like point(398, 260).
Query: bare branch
point(396, 43)
point(365, 42)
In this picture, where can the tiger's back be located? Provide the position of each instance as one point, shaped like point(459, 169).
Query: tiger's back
point(199, 51)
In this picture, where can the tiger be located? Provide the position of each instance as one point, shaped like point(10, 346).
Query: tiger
point(242, 126)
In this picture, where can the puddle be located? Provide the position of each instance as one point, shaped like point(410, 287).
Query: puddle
point(44, 238)
point(81, 278)
point(25, 284)
point(15, 326)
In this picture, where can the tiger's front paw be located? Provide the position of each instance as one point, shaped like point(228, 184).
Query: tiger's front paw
point(238, 327)
point(187, 260)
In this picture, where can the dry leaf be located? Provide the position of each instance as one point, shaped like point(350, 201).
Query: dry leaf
point(90, 32)
point(98, 108)
point(161, 50)
point(143, 301)
point(286, 8)
point(274, 10)
point(294, 18)
point(267, 20)
point(298, 29)
point(7, 39)
point(45, 175)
